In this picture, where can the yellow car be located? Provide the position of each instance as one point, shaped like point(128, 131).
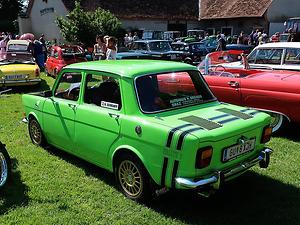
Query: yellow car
point(18, 69)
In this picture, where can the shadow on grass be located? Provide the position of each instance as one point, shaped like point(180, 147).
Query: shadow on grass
point(250, 199)
point(42, 86)
point(289, 132)
point(15, 192)
point(89, 168)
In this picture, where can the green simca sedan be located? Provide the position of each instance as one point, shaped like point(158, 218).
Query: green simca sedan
point(136, 119)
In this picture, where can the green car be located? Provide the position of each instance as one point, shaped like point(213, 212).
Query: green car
point(155, 124)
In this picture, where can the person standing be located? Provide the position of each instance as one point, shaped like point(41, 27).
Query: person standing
point(135, 36)
point(99, 48)
point(42, 40)
point(111, 52)
point(38, 54)
point(221, 45)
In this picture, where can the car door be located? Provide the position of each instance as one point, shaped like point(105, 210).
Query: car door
point(225, 86)
point(98, 118)
point(59, 111)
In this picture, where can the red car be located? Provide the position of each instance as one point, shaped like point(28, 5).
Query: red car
point(61, 56)
point(276, 92)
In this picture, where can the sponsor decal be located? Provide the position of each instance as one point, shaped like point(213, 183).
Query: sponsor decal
point(109, 105)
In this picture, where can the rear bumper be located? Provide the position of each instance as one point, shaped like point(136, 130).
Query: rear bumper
point(19, 82)
point(221, 176)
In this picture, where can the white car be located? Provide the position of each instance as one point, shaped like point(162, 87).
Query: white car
point(279, 56)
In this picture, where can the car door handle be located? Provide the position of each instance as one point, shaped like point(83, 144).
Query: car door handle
point(115, 116)
point(234, 84)
point(72, 106)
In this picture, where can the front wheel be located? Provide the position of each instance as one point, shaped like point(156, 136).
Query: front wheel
point(36, 133)
point(5, 166)
point(132, 178)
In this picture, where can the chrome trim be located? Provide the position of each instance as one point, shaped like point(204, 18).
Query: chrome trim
point(216, 179)
point(19, 81)
point(271, 111)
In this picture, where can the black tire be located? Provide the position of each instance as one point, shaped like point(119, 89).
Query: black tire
point(36, 133)
point(5, 166)
point(136, 187)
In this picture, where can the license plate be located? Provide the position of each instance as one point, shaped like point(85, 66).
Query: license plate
point(239, 149)
point(173, 56)
point(13, 77)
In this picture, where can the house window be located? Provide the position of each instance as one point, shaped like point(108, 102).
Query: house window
point(227, 31)
point(211, 31)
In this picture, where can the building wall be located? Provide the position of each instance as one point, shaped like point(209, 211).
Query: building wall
point(280, 10)
point(43, 16)
point(24, 25)
point(237, 25)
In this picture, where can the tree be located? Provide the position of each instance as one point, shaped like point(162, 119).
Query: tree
point(9, 11)
point(81, 26)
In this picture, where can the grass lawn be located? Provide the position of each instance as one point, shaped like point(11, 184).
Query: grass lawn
point(52, 187)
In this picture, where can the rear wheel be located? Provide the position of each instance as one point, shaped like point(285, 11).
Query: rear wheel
point(5, 166)
point(132, 178)
point(36, 133)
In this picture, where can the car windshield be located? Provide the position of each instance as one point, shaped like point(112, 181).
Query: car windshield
point(166, 91)
point(17, 47)
point(197, 47)
point(16, 57)
point(159, 46)
point(70, 52)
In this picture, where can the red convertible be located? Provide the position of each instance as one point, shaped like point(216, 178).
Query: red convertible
point(276, 92)
point(61, 56)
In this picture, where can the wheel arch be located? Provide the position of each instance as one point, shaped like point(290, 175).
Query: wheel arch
point(272, 111)
point(125, 149)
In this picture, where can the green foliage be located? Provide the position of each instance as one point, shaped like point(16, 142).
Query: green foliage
point(81, 26)
point(9, 11)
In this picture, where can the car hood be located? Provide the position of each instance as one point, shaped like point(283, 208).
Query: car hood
point(215, 121)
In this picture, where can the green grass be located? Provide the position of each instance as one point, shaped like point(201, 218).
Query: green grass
point(52, 187)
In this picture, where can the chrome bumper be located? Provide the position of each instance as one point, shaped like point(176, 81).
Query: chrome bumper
point(20, 81)
point(220, 176)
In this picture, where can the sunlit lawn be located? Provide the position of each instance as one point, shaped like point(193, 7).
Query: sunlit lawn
point(53, 187)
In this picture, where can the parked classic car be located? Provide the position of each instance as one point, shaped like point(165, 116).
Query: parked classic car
point(277, 55)
point(18, 69)
point(5, 166)
point(136, 119)
point(276, 92)
point(157, 49)
point(63, 55)
point(19, 46)
point(192, 52)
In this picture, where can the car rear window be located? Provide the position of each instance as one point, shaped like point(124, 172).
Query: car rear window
point(172, 90)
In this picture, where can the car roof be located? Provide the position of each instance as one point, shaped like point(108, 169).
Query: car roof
point(21, 42)
point(152, 40)
point(132, 68)
point(280, 45)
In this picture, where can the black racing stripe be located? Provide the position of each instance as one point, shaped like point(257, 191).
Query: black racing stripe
point(245, 110)
point(236, 113)
point(164, 170)
point(204, 123)
point(218, 117)
point(171, 133)
point(174, 173)
point(228, 120)
point(183, 134)
point(256, 112)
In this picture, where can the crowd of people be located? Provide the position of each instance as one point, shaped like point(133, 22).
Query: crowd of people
point(105, 48)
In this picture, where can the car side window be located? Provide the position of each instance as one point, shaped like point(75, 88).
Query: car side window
point(52, 53)
point(69, 86)
point(269, 56)
point(292, 56)
point(103, 91)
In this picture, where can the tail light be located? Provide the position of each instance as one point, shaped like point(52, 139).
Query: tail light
point(266, 135)
point(37, 72)
point(203, 157)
